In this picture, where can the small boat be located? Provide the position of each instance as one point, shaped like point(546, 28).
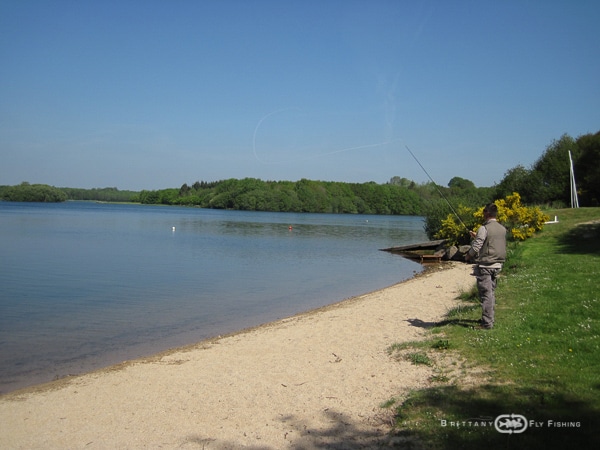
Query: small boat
point(424, 252)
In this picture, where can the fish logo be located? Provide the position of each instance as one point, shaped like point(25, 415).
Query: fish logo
point(510, 423)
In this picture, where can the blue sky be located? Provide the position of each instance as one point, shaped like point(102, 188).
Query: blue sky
point(153, 94)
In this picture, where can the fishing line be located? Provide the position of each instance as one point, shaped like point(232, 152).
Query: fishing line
point(307, 157)
point(438, 189)
point(347, 149)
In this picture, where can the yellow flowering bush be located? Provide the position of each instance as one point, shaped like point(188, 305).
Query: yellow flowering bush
point(453, 230)
point(521, 221)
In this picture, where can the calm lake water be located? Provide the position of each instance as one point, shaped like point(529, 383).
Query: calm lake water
point(86, 285)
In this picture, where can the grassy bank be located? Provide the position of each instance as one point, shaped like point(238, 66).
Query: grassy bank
point(541, 362)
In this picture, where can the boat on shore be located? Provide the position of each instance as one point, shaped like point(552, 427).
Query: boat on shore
point(424, 252)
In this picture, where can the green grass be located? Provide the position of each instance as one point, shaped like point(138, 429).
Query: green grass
point(419, 358)
point(542, 359)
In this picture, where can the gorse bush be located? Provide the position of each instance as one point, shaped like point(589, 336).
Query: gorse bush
point(456, 232)
point(521, 221)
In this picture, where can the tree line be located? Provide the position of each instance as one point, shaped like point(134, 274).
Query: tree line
point(107, 194)
point(26, 192)
point(251, 194)
point(546, 182)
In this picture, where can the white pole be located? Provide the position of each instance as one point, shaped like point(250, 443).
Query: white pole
point(574, 199)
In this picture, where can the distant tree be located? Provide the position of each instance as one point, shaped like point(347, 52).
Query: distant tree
point(528, 183)
point(547, 182)
point(168, 196)
point(312, 196)
point(461, 183)
point(26, 192)
point(553, 170)
point(149, 197)
point(108, 194)
point(435, 211)
point(587, 169)
point(184, 190)
point(401, 181)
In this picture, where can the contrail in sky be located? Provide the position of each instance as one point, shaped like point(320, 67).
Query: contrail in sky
point(308, 157)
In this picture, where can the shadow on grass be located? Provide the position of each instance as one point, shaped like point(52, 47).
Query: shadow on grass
point(341, 434)
point(582, 239)
point(464, 418)
point(466, 323)
point(446, 417)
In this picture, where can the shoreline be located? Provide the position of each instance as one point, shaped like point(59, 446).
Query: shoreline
point(47, 383)
point(266, 385)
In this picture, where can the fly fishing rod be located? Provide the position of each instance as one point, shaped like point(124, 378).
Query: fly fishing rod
point(438, 189)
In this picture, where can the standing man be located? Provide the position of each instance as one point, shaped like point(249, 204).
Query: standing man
point(489, 251)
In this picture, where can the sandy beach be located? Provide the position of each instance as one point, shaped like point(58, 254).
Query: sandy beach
point(310, 381)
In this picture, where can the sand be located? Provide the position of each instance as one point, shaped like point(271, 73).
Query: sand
point(314, 380)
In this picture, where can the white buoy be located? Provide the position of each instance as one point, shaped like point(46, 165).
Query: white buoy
point(173, 228)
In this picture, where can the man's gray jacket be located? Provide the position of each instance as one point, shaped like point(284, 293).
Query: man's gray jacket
point(489, 244)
